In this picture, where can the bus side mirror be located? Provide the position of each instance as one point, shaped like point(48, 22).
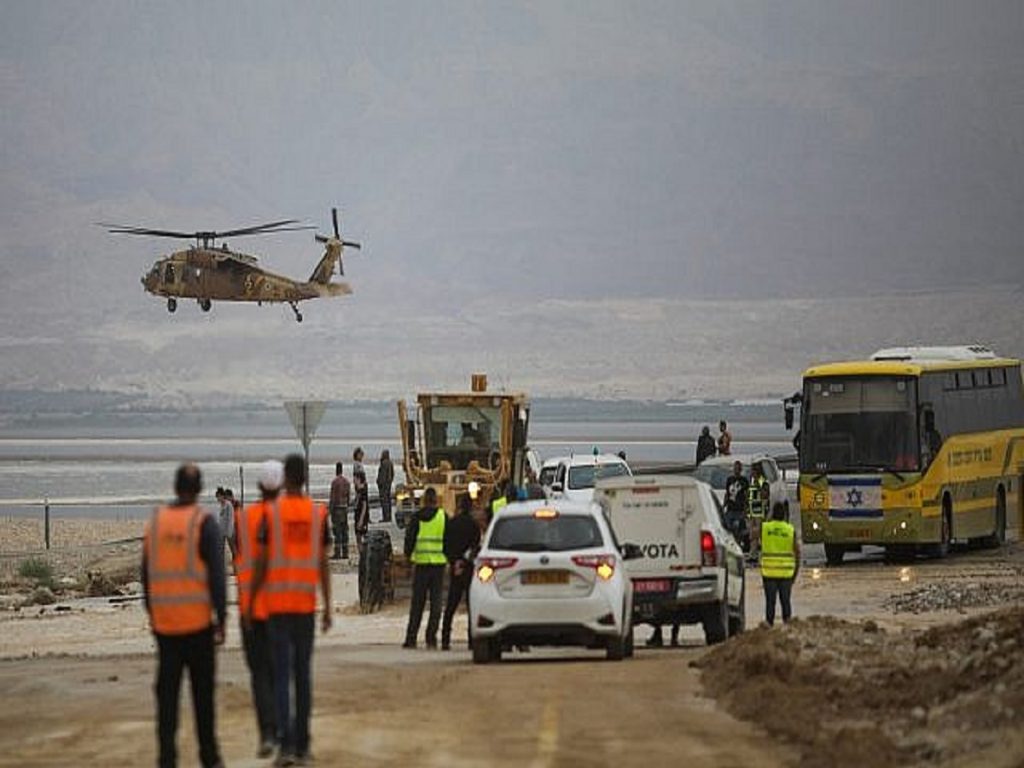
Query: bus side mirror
point(789, 416)
point(929, 420)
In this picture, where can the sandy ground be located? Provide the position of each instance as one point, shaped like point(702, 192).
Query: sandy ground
point(76, 678)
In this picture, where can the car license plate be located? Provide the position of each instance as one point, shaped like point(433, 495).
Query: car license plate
point(644, 586)
point(545, 577)
point(860, 533)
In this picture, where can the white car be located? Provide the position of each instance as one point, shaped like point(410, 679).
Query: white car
point(550, 573)
point(717, 470)
point(574, 476)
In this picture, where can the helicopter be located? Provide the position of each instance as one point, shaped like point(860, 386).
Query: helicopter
point(207, 271)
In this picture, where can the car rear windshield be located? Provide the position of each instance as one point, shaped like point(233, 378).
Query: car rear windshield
point(545, 534)
point(716, 475)
point(584, 476)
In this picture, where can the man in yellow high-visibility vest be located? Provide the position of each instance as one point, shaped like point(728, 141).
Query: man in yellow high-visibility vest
point(780, 563)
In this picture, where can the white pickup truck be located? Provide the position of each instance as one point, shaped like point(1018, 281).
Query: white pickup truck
point(692, 569)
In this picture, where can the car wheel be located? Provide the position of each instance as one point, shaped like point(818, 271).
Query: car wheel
point(716, 623)
point(738, 621)
point(616, 648)
point(482, 650)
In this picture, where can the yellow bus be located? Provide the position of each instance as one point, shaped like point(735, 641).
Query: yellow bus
point(912, 450)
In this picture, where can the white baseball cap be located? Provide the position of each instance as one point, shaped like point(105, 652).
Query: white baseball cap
point(271, 475)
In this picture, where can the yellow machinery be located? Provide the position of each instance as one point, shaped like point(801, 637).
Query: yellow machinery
point(450, 440)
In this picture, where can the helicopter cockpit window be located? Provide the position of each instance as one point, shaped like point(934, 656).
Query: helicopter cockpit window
point(169, 273)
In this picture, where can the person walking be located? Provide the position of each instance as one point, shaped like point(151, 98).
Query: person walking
point(736, 498)
point(424, 546)
point(294, 558)
point(705, 445)
point(385, 478)
point(183, 587)
point(758, 501)
point(780, 563)
point(341, 497)
point(226, 516)
point(253, 613)
point(724, 439)
point(461, 542)
point(362, 498)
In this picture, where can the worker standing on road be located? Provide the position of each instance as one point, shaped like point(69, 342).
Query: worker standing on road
point(705, 445)
point(295, 539)
point(254, 615)
point(183, 585)
point(780, 563)
point(361, 487)
point(424, 546)
point(385, 478)
point(341, 497)
point(736, 497)
point(758, 500)
point(461, 542)
point(724, 439)
point(226, 515)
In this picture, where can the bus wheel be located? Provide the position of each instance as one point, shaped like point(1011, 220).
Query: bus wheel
point(942, 548)
point(998, 536)
point(834, 554)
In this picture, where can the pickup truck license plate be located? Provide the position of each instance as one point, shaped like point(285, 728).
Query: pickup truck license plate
point(645, 586)
point(545, 577)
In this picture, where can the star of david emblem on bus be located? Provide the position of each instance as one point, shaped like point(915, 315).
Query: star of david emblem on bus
point(854, 497)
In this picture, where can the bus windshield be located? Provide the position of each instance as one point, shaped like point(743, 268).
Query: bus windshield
point(859, 424)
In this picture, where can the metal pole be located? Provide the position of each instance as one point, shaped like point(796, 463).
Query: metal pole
point(305, 443)
point(46, 521)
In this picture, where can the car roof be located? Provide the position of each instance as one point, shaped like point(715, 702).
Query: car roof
point(562, 506)
point(584, 460)
point(743, 458)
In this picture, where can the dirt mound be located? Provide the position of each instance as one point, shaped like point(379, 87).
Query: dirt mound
point(852, 694)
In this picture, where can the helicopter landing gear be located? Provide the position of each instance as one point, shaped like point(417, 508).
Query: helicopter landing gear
point(295, 309)
point(172, 304)
point(205, 304)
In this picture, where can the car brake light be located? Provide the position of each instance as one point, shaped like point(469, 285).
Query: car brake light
point(604, 565)
point(708, 550)
point(486, 566)
point(545, 513)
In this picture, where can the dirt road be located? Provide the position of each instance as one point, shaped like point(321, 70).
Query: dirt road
point(86, 698)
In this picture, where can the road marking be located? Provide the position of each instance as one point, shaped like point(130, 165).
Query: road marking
point(547, 737)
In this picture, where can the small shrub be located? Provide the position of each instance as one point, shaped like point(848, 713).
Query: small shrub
point(38, 569)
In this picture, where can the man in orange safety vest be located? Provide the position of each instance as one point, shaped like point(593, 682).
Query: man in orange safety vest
point(183, 583)
point(295, 537)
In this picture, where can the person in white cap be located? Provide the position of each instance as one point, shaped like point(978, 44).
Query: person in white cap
point(254, 614)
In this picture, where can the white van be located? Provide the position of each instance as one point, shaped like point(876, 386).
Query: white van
point(692, 569)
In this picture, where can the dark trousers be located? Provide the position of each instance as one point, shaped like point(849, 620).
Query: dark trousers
point(783, 588)
point(426, 580)
point(256, 642)
point(291, 636)
point(176, 652)
point(384, 492)
point(457, 587)
point(339, 528)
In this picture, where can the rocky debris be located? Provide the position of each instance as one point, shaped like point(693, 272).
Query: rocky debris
point(41, 596)
point(847, 694)
point(954, 596)
point(100, 585)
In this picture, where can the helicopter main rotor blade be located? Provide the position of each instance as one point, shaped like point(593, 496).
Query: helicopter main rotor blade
point(117, 229)
point(334, 218)
point(347, 244)
point(280, 226)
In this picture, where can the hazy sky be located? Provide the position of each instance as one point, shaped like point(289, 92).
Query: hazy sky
point(495, 155)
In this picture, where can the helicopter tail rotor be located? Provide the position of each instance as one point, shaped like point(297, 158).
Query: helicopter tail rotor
point(337, 241)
